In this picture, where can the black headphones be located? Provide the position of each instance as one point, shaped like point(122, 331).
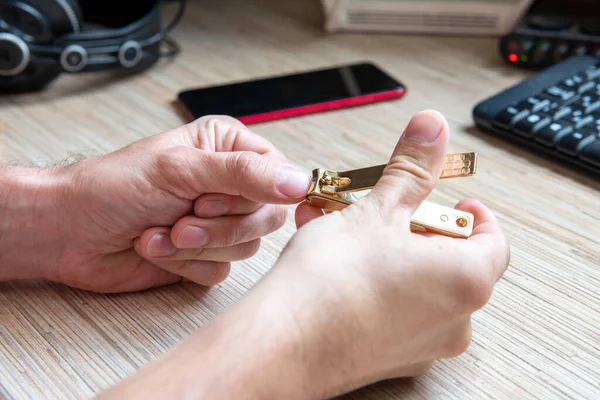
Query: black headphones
point(40, 39)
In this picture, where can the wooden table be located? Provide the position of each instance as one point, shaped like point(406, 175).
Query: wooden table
point(538, 338)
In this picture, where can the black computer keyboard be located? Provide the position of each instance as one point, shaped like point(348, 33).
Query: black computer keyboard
point(555, 112)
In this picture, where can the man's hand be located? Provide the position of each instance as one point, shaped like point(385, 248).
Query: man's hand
point(180, 204)
point(355, 297)
point(401, 299)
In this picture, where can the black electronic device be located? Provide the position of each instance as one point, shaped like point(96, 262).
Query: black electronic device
point(551, 31)
point(40, 39)
point(290, 95)
point(556, 112)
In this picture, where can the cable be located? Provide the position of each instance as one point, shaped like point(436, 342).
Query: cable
point(163, 33)
point(173, 45)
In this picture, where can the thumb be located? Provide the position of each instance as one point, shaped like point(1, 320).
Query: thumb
point(189, 173)
point(416, 164)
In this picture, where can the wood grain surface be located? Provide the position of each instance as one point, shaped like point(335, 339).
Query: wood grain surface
point(539, 338)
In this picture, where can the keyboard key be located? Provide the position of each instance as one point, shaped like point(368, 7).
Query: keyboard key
point(510, 116)
point(584, 101)
point(572, 119)
point(579, 105)
point(593, 107)
point(554, 91)
point(571, 100)
point(586, 87)
point(568, 95)
point(591, 153)
point(584, 121)
point(592, 73)
point(541, 105)
point(536, 103)
point(528, 126)
point(575, 141)
point(560, 92)
point(588, 99)
point(595, 125)
point(547, 108)
point(570, 82)
point(573, 82)
point(552, 133)
point(542, 124)
point(528, 103)
point(562, 113)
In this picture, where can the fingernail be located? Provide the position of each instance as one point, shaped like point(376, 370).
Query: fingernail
point(192, 237)
point(425, 128)
point(160, 245)
point(293, 182)
point(212, 208)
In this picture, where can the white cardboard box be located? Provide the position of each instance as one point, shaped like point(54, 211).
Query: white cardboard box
point(459, 17)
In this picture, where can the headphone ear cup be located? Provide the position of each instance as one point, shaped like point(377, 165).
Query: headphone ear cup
point(77, 10)
point(64, 16)
point(43, 21)
point(34, 78)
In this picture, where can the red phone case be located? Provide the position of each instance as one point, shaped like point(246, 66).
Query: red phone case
point(322, 107)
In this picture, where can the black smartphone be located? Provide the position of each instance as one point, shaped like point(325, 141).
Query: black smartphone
point(291, 95)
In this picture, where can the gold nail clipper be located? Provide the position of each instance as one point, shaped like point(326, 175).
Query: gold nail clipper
point(333, 191)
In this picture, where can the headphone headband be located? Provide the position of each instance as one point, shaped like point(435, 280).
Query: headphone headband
point(135, 46)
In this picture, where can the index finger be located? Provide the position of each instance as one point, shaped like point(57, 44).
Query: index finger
point(487, 235)
point(221, 133)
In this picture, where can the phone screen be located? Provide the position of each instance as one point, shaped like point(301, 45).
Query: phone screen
point(294, 94)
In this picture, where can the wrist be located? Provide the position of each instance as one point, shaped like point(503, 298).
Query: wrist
point(248, 352)
point(30, 221)
point(335, 353)
point(275, 343)
point(300, 338)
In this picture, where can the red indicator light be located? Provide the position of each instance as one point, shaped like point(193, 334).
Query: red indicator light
point(513, 58)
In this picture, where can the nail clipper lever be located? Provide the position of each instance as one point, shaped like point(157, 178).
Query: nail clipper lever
point(333, 191)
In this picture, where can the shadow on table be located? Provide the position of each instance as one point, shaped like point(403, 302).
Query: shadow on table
point(394, 388)
point(66, 86)
point(162, 302)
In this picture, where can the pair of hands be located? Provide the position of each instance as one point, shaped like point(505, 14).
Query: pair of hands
point(185, 203)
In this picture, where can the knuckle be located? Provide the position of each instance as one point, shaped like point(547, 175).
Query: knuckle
point(199, 204)
point(173, 166)
point(474, 288)
point(218, 131)
point(413, 166)
point(250, 249)
point(277, 218)
point(178, 267)
point(423, 369)
point(212, 132)
point(459, 342)
point(199, 253)
point(215, 120)
point(233, 235)
point(213, 125)
point(221, 273)
point(168, 161)
point(246, 165)
point(203, 131)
